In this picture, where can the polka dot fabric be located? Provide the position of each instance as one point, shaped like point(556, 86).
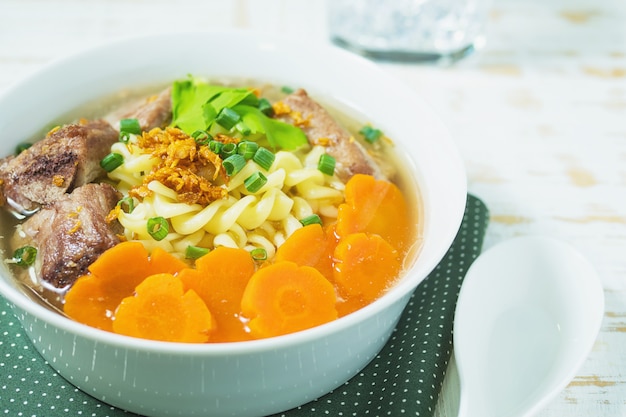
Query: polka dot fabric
point(404, 379)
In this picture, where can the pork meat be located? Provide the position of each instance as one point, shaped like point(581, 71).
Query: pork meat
point(322, 129)
point(155, 111)
point(71, 233)
point(65, 159)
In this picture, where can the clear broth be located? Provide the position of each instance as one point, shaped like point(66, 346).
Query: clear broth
point(122, 100)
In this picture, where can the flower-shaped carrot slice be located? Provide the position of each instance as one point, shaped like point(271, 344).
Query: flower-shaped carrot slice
point(310, 246)
point(376, 207)
point(220, 278)
point(365, 266)
point(161, 310)
point(94, 297)
point(285, 298)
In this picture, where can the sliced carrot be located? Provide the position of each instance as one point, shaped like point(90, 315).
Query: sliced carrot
point(365, 266)
point(162, 261)
point(375, 207)
point(162, 310)
point(220, 278)
point(94, 297)
point(305, 246)
point(326, 263)
point(309, 246)
point(285, 298)
point(89, 302)
point(122, 267)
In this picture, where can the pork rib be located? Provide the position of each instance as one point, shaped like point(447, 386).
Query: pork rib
point(155, 111)
point(322, 129)
point(65, 159)
point(70, 233)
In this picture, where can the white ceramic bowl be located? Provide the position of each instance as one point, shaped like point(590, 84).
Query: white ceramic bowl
point(246, 378)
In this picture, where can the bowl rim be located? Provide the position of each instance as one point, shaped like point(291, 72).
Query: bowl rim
point(16, 298)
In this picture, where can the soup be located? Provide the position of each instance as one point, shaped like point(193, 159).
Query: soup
point(218, 213)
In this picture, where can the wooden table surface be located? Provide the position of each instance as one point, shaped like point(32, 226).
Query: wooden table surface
point(539, 116)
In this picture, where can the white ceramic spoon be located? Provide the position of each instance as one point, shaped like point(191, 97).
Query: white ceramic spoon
point(527, 317)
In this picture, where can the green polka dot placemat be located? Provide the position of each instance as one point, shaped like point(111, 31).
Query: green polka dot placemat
point(404, 379)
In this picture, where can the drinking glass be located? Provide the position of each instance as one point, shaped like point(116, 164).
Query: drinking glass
point(409, 30)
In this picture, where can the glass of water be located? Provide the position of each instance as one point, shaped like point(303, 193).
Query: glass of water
point(409, 30)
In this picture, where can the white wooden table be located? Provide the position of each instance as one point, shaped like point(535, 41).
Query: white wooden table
point(539, 116)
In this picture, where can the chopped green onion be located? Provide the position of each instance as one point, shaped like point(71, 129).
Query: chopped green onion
point(129, 127)
point(312, 219)
point(127, 204)
point(370, 134)
point(259, 254)
point(247, 149)
point(158, 228)
point(24, 256)
point(266, 107)
point(255, 182)
point(227, 118)
point(111, 161)
point(326, 164)
point(233, 164)
point(264, 158)
point(286, 89)
point(195, 252)
point(227, 150)
point(215, 146)
point(22, 147)
point(201, 136)
point(243, 128)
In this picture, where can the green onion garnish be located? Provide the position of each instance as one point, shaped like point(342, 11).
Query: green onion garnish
point(128, 127)
point(233, 164)
point(127, 204)
point(370, 134)
point(195, 252)
point(255, 182)
point(215, 146)
point(22, 147)
point(266, 107)
point(111, 161)
point(326, 164)
point(247, 149)
point(264, 158)
point(286, 89)
point(24, 256)
point(202, 137)
point(158, 228)
point(259, 254)
point(312, 219)
point(227, 150)
point(243, 128)
point(227, 118)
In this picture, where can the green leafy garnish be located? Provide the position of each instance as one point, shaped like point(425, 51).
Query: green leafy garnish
point(280, 135)
point(197, 105)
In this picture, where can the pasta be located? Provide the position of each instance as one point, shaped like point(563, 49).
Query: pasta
point(263, 218)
